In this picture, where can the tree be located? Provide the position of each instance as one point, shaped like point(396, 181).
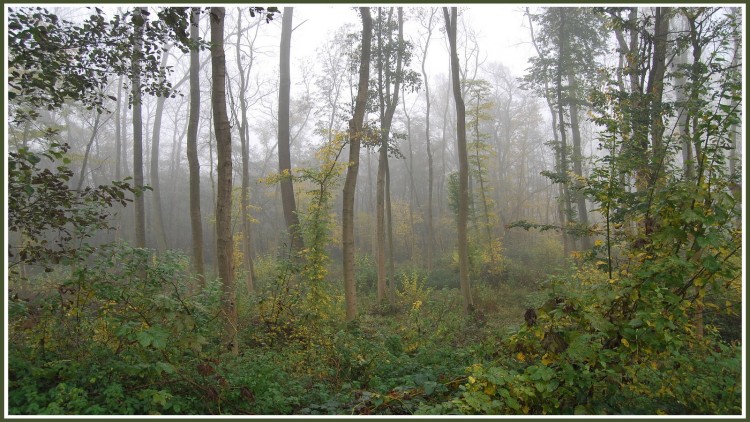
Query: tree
point(426, 21)
point(567, 44)
point(386, 86)
point(196, 225)
point(478, 161)
point(156, 209)
point(285, 162)
point(139, 19)
point(244, 144)
point(356, 133)
point(224, 244)
point(44, 205)
point(463, 163)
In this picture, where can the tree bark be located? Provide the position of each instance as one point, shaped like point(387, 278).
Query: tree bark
point(245, 192)
point(350, 184)
point(196, 225)
point(156, 209)
point(118, 132)
point(463, 163)
point(84, 164)
point(563, 153)
point(224, 244)
point(430, 171)
point(139, 203)
point(388, 104)
point(577, 156)
point(285, 162)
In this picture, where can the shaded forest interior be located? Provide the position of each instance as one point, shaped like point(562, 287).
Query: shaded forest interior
point(211, 211)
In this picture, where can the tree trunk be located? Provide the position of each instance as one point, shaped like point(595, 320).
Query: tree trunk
point(350, 184)
point(388, 104)
point(463, 163)
point(118, 132)
point(655, 92)
point(94, 130)
point(140, 211)
point(245, 193)
point(563, 153)
point(196, 225)
point(285, 162)
point(577, 156)
point(430, 172)
point(159, 232)
point(224, 244)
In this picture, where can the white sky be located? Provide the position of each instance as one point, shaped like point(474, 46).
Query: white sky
point(501, 28)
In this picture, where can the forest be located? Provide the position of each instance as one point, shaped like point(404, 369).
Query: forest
point(337, 210)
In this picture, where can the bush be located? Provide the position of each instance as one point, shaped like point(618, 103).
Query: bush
point(111, 339)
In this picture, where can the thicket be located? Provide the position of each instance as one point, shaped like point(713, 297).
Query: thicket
point(120, 330)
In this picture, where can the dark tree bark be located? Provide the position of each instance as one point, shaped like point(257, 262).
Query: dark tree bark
point(139, 203)
point(285, 161)
point(224, 244)
point(463, 163)
point(350, 184)
point(196, 224)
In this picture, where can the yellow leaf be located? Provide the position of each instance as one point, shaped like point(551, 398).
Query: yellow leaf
point(525, 409)
point(546, 359)
point(472, 380)
point(489, 390)
point(625, 342)
point(520, 356)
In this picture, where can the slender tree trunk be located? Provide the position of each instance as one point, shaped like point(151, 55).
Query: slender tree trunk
point(245, 193)
point(224, 244)
point(285, 162)
point(388, 104)
point(389, 217)
point(196, 225)
point(140, 211)
point(118, 132)
point(463, 163)
point(350, 184)
point(156, 209)
point(118, 151)
point(561, 123)
point(380, 221)
point(577, 156)
point(430, 171)
point(413, 199)
point(94, 130)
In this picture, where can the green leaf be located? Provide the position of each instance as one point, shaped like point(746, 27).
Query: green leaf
point(429, 387)
point(144, 338)
point(165, 367)
point(635, 323)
